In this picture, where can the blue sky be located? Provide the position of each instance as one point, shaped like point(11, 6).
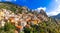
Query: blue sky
point(52, 7)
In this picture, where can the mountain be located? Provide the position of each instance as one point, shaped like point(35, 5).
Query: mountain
point(56, 16)
point(43, 15)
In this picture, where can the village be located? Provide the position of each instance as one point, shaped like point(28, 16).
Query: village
point(20, 20)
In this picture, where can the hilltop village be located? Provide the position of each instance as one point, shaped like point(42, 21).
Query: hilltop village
point(23, 19)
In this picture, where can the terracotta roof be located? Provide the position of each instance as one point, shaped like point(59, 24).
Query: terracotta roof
point(11, 19)
point(19, 27)
point(28, 19)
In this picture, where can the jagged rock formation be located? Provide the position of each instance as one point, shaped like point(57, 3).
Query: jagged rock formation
point(42, 15)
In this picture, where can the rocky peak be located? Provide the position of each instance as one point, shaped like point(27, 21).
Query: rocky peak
point(43, 12)
point(42, 15)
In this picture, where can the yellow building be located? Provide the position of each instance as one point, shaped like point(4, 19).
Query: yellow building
point(35, 22)
point(1, 15)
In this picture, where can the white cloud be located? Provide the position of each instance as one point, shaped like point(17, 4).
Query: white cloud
point(44, 8)
point(54, 12)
